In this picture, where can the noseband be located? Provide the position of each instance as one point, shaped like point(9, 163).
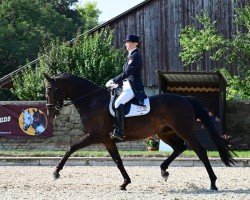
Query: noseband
point(56, 94)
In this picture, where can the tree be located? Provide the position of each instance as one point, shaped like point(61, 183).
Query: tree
point(91, 56)
point(96, 59)
point(226, 51)
point(89, 15)
point(25, 26)
point(66, 8)
point(29, 25)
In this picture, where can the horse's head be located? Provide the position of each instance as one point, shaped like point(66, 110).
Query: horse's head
point(36, 116)
point(54, 96)
point(66, 86)
point(27, 119)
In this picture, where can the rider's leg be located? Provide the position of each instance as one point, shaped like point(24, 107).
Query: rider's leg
point(118, 131)
point(124, 97)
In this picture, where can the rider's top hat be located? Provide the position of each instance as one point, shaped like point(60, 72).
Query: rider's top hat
point(133, 38)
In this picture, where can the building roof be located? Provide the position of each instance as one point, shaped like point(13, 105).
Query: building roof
point(6, 81)
point(193, 81)
point(118, 16)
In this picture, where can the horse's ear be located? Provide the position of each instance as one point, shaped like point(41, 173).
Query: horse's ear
point(47, 77)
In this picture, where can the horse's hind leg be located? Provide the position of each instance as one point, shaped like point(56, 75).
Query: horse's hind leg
point(202, 154)
point(113, 151)
point(85, 141)
point(178, 146)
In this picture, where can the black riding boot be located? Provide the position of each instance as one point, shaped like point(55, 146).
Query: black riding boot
point(119, 124)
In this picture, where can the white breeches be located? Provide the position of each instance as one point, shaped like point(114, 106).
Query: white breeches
point(126, 95)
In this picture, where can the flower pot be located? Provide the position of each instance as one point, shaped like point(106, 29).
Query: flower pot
point(152, 148)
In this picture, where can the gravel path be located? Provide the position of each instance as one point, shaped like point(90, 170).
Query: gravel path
point(102, 182)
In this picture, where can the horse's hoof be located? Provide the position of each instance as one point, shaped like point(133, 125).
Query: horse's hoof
point(122, 188)
point(56, 176)
point(213, 188)
point(124, 185)
point(165, 175)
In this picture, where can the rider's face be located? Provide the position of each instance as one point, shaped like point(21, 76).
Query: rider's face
point(130, 45)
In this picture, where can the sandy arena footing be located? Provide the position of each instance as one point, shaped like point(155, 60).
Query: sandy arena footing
point(102, 182)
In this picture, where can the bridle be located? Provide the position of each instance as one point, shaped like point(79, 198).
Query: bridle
point(56, 95)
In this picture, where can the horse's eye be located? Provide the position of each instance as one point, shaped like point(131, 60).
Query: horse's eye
point(48, 91)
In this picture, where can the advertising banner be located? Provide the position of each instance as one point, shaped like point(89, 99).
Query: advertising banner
point(24, 121)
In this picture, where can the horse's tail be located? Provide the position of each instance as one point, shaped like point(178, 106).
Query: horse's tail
point(221, 143)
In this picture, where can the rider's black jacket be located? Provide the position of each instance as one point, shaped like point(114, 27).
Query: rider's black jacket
point(132, 72)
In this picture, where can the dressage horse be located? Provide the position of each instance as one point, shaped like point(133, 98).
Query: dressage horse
point(172, 119)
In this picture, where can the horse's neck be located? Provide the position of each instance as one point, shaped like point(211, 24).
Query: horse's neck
point(90, 104)
point(84, 94)
point(77, 90)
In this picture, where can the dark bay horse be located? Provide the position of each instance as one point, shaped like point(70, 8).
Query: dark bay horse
point(172, 118)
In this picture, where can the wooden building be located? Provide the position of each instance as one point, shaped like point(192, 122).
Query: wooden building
point(159, 23)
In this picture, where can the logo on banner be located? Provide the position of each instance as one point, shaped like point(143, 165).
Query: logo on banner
point(33, 121)
point(5, 119)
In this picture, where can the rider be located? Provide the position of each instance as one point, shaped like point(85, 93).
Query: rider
point(131, 83)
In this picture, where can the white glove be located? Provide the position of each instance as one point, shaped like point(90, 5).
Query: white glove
point(109, 83)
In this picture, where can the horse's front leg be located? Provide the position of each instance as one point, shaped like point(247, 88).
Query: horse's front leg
point(113, 151)
point(85, 141)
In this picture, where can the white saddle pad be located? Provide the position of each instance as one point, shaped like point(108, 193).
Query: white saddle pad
point(134, 109)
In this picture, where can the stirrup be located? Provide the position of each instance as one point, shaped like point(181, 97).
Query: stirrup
point(115, 135)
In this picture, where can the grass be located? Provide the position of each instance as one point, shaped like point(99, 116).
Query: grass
point(82, 153)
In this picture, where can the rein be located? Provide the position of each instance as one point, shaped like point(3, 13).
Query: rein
point(58, 106)
point(81, 97)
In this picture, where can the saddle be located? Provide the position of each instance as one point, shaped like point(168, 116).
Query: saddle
point(131, 108)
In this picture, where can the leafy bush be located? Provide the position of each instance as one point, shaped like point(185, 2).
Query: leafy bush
point(90, 56)
point(237, 89)
point(96, 60)
point(151, 142)
point(234, 51)
point(30, 85)
point(196, 42)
